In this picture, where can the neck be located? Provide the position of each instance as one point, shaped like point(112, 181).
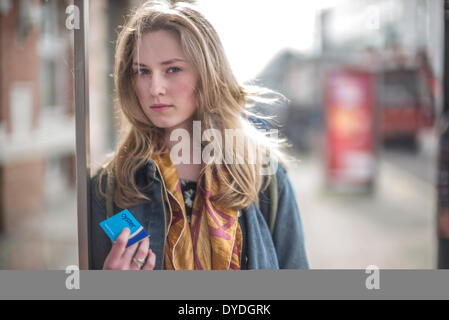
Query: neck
point(185, 143)
point(169, 143)
point(186, 171)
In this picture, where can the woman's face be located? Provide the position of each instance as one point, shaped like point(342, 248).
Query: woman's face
point(165, 81)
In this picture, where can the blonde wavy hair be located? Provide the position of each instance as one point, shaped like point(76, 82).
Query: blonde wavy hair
point(221, 104)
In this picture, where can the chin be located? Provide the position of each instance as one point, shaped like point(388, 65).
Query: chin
point(162, 126)
point(165, 124)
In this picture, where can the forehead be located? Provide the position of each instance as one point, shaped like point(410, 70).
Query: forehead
point(158, 46)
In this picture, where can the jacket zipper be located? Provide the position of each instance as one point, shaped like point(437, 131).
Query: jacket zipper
point(165, 215)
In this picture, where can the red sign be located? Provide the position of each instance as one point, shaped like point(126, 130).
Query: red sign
point(350, 134)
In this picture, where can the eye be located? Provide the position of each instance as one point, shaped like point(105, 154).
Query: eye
point(142, 71)
point(173, 70)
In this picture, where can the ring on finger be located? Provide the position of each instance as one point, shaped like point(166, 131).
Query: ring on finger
point(139, 262)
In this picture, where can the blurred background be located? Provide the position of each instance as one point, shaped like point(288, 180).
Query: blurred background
point(363, 79)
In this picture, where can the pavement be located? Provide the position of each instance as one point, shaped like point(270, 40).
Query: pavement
point(48, 240)
point(392, 228)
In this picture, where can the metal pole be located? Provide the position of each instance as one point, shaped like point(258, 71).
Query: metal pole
point(82, 133)
point(443, 161)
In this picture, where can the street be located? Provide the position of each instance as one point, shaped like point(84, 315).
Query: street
point(394, 228)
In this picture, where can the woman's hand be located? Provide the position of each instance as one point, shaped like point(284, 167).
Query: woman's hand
point(122, 258)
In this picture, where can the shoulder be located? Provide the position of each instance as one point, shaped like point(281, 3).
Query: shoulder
point(95, 178)
point(281, 172)
point(271, 190)
point(104, 181)
point(280, 176)
point(98, 183)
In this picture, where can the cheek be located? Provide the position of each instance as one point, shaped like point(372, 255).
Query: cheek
point(183, 90)
point(185, 84)
point(140, 90)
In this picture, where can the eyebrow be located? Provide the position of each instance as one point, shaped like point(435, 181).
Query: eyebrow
point(164, 63)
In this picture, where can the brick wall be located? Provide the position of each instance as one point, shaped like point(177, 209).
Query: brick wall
point(20, 63)
point(23, 191)
point(21, 183)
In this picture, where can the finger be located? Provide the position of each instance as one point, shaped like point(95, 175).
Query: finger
point(151, 261)
point(142, 251)
point(140, 254)
point(129, 252)
point(120, 244)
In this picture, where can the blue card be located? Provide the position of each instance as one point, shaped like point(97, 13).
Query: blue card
point(124, 219)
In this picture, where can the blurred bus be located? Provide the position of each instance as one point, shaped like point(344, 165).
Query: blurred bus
point(403, 112)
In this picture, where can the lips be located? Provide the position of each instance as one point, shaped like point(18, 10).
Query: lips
point(160, 107)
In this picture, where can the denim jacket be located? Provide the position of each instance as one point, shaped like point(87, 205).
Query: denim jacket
point(283, 250)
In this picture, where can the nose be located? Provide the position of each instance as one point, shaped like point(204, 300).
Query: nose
point(157, 86)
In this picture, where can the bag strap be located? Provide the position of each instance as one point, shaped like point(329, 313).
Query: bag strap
point(272, 194)
point(273, 202)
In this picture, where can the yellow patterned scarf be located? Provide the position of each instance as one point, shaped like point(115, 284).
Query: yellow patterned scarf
point(213, 241)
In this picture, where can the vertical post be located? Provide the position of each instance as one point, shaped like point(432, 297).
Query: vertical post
point(82, 133)
point(443, 159)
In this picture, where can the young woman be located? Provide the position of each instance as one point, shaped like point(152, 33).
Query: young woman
point(204, 199)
